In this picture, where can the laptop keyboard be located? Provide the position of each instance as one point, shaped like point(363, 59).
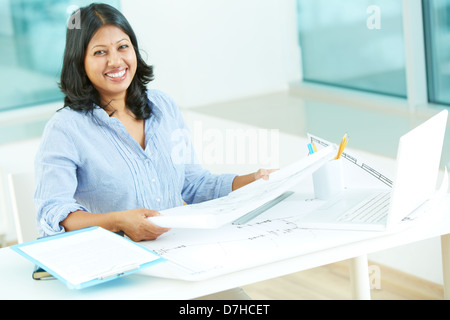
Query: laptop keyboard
point(371, 210)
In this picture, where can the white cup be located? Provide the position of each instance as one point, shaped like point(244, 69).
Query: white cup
point(329, 180)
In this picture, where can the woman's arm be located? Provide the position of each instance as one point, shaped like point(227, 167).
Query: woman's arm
point(241, 181)
point(133, 223)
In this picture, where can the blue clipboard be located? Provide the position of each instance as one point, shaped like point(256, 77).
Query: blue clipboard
point(111, 274)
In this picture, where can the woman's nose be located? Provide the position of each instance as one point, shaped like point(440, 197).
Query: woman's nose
point(114, 59)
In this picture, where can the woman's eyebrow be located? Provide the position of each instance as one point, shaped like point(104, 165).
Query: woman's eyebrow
point(102, 45)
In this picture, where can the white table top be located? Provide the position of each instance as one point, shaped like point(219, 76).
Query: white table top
point(16, 281)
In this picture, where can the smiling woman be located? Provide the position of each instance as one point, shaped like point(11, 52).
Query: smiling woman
point(109, 44)
point(110, 64)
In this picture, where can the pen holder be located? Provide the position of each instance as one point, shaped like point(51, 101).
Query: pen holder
point(328, 180)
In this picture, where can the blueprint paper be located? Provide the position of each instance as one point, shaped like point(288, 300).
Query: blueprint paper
point(218, 212)
point(275, 235)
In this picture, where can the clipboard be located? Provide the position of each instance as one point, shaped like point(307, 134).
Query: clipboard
point(88, 257)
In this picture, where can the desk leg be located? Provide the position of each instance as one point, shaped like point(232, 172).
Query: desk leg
point(445, 247)
point(359, 278)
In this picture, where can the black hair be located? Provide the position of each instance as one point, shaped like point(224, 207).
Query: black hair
point(80, 94)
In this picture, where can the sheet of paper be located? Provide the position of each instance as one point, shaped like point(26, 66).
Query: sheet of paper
point(88, 255)
point(215, 213)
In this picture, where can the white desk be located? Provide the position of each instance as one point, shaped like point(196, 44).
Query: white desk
point(16, 281)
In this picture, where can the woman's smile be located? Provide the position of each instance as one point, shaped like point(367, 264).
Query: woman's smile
point(117, 74)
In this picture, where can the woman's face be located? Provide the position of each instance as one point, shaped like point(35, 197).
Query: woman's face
point(110, 62)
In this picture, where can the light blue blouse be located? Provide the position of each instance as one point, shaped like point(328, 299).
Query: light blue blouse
point(89, 161)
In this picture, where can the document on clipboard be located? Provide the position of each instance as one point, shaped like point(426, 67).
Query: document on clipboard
point(88, 257)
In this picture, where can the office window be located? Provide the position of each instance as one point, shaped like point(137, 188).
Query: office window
point(356, 44)
point(437, 44)
point(32, 40)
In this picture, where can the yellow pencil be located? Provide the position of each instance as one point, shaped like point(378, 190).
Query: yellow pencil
point(342, 146)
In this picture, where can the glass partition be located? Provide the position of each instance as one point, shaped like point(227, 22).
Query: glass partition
point(356, 44)
point(437, 44)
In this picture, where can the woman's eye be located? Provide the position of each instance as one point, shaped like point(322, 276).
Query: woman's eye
point(123, 46)
point(96, 53)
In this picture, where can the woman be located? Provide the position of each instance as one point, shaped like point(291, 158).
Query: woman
point(106, 158)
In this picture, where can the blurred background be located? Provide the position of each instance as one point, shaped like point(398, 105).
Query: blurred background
point(372, 68)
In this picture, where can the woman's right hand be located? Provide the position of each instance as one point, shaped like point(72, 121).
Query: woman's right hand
point(135, 225)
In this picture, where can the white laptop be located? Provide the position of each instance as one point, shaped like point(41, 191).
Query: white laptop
point(418, 160)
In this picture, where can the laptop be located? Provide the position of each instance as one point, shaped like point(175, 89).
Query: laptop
point(417, 168)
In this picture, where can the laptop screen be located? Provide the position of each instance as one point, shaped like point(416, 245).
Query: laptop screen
point(418, 159)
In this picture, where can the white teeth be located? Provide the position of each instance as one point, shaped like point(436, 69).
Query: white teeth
point(116, 75)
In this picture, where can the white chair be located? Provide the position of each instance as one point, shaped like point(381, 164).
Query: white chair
point(21, 189)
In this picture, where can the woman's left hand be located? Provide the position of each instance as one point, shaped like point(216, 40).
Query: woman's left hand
point(263, 173)
point(241, 181)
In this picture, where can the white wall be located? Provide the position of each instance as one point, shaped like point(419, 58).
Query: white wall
point(209, 51)
point(422, 259)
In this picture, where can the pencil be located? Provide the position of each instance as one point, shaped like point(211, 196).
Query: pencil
point(342, 146)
